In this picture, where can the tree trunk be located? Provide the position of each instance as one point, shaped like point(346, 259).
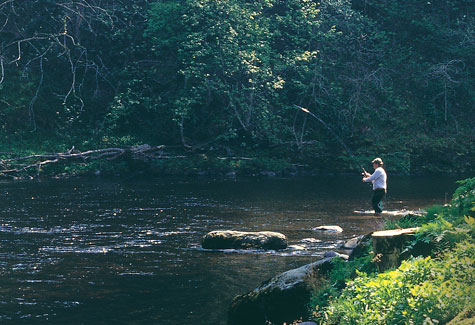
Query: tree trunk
point(389, 247)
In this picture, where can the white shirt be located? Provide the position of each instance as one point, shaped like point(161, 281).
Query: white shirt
point(378, 178)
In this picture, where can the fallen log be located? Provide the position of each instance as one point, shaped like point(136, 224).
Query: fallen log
point(16, 165)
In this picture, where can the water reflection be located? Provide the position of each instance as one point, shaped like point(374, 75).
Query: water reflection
point(92, 251)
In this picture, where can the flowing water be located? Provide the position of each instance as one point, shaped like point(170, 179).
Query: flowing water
point(110, 252)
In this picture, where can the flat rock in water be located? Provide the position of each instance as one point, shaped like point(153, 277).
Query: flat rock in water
point(329, 228)
point(335, 254)
point(402, 212)
point(226, 239)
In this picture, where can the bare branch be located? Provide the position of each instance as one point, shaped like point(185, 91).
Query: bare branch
point(3, 70)
point(19, 165)
point(445, 70)
point(6, 2)
point(33, 100)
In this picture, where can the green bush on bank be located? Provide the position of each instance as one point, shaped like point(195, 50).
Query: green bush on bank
point(423, 290)
point(331, 287)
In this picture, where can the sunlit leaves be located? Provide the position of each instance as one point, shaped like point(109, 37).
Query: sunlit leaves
point(232, 57)
point(420, 289)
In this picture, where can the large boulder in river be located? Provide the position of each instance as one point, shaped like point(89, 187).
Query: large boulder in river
point(282, 299)
point(224, 239)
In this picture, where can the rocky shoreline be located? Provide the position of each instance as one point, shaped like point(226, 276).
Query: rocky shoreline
point(285, 297)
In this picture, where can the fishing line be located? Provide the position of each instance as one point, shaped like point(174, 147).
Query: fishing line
point(332, 132)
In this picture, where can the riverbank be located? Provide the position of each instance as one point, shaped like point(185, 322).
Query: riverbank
point(163, 161)
point(435, 288)
point(421, 271)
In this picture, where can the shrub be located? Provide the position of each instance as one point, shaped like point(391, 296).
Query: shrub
point(332, 286)
point(464, 198)
point(421, 290)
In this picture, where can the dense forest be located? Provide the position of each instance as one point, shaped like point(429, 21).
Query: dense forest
point(218, 85)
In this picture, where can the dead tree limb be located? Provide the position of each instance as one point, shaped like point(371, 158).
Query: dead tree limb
point(16, 165)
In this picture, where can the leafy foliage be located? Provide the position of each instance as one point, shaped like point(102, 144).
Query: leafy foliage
point(422, 290)
point(331, 288)
point(444, 226)
point(432, 289)
point(201, 74)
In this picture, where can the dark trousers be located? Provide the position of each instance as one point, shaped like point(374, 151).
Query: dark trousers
point(378, 196)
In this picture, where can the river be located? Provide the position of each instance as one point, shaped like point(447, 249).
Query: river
point(128, 251)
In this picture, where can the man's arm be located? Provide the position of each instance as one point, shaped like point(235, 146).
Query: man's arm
point(372, 177)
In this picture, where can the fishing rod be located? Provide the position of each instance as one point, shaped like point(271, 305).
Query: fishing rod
point(334, 134)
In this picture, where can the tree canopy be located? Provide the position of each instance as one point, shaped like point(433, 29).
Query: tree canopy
point(392, 79)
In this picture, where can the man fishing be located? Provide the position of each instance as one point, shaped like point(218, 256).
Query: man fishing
point(378, 178)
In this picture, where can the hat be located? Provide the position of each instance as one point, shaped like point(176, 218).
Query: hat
point(377, 161)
